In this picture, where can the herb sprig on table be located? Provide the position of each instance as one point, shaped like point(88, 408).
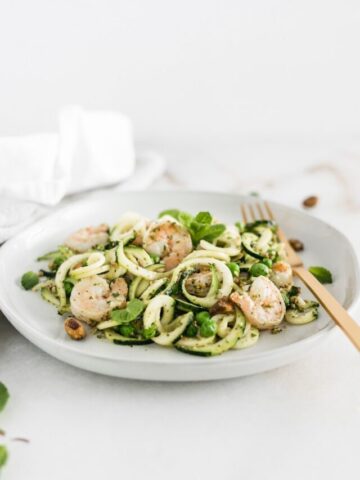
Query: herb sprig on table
point(4, 397)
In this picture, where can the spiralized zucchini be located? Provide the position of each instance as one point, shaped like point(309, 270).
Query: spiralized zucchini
point(223, 285)
point(181, 281)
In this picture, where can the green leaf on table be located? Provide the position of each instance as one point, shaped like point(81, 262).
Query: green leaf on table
point(322, 274)
point(133, 310)
point(3, 455)
point(4, 396)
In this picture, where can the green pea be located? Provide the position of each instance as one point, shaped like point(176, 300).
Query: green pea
point(208, 328)
point(202, 317)
point(125, 330)
point(57, 262)
point(259, 269)
point(267, 261)
point(68, 286)
point(234, 268)
point(191, 330)
point(29, 280)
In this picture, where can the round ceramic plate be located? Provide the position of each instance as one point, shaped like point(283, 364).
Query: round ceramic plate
point(39, 322)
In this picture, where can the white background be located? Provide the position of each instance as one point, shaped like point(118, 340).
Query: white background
point(189, 69)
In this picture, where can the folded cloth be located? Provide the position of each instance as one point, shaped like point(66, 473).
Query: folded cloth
point(92, 150)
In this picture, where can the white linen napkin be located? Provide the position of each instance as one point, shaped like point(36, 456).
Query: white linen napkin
point(91, 150)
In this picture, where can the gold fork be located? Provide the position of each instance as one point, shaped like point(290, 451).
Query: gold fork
point(256, 211)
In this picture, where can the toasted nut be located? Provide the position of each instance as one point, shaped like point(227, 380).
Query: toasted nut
point(296, 244)
point(74, 328)
point(310, 202)
point(224, 305)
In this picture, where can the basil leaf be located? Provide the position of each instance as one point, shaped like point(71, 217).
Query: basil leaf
point(322, 274)
point(173, 212)
point(199, 227)
point(3, 455)
point(133, 310)
point(185, 219)
point(240, 226)
point(4, 396)
point(204, 217)
point(214, 231)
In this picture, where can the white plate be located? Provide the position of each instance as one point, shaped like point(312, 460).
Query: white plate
point(39, 322)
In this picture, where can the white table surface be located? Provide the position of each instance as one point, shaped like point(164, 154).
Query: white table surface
point(301, 421)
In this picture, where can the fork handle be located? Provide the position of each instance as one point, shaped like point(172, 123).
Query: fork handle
point(332, 306)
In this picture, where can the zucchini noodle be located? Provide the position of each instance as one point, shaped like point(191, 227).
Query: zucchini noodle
point(129, 223)
point(211, 253)
point(132, 266)
point(160, 313)
point(63, 271)
point(183, 281)
point(221, 269)
point(95, 266)
point(231, 251)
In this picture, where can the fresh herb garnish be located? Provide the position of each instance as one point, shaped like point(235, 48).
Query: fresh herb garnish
point(57, 257)
point(133, 310)
point(29, 280)
point(240, 226)
point(150, 332)
point(4, 396)
point(3, 455)
point(322, 274)
point(200, 227)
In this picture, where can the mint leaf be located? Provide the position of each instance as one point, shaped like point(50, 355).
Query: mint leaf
point(4, 396)
point(3, 455)
point(133, 310)
point(322, 274)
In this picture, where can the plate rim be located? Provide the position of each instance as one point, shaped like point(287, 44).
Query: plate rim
point(21, 325)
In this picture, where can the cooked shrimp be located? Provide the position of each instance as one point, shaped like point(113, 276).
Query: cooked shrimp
point(92, 298)
point(169, 240)
point(282, 274)
point(198, 283)
point(118, 292)
point(263, 306)
point(88, 237)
